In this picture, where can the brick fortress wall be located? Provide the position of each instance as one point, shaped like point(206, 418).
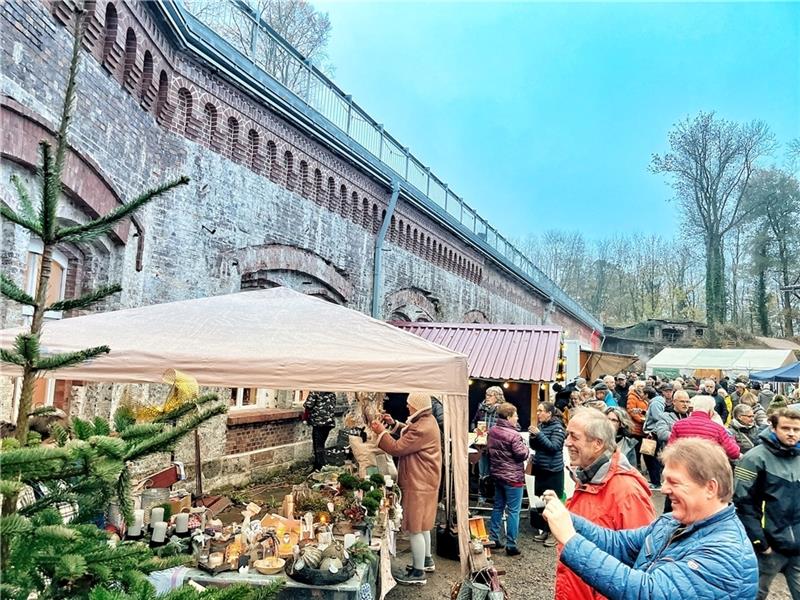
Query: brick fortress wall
point(267, 205)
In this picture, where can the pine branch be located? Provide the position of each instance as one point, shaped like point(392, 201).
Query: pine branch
point(167, 439)
point(9, 487)
point(125, 495)
point(140, 430)
point(14, 524)
point(8, 213)
point(184, 409)
point(123, 418)
point(69, 359)
point(113, 447)
point(27, 346)
point(11, 290)
point(27, 463)
point(101, 426)
point(11, 357)
point(91, 230)
point(83, 430)
point(24, 198)
point(59, 434)
point(55, 533)
point(87, 299)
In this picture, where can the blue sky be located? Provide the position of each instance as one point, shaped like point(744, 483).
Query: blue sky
point(545, 115)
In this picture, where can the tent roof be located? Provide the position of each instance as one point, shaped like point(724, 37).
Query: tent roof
point(724, 359)
point(786, 373)
point(274, 338)
point(511, 352)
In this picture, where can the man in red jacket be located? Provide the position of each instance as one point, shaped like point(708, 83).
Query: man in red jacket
point(699, 424)
point(608, 490)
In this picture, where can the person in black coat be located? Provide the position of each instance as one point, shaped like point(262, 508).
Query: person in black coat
point(547, 441)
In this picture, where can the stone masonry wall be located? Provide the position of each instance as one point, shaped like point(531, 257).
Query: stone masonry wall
point(267, 205)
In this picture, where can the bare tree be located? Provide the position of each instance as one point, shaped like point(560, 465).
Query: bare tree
point(296, 21)
point(774, 199)
point(710, 162)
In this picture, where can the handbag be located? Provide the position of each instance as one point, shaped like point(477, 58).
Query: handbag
point(482, 585)
point(648, 447)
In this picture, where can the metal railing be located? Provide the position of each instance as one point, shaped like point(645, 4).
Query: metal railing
point(237, 23)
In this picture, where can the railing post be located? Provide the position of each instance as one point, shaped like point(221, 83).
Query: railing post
point(308, 64)
point(406, 151)
point(349, 99)
point(428, 189)
point(446, 193)
point(380, 148)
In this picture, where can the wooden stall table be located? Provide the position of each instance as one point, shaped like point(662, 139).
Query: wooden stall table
point(361, 586)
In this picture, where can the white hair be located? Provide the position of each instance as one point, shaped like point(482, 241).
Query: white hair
point(703, 403)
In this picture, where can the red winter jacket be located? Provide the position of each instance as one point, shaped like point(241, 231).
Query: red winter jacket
point(700, 425)
point(617, 498)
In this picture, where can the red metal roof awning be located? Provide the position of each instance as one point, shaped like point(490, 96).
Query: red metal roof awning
point(500, 352)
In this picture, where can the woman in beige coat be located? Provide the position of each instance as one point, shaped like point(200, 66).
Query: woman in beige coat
point(418, 474)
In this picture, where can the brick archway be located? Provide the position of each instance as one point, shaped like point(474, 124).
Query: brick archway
point(307, 272)
point(475, 316)
point(411, 304)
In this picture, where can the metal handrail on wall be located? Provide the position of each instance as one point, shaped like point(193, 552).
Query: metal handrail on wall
point(236, 23)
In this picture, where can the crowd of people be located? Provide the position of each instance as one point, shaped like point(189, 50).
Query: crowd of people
point(724, 454)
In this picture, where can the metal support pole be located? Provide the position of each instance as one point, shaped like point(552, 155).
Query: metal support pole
point(377, 269)
point(446, 193)
point(428, 189)
point(406, 151)
point(308, 64)
point(380, 148)
point(349, 99)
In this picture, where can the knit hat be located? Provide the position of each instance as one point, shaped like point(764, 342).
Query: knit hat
point(419, 401)
point(601, 387)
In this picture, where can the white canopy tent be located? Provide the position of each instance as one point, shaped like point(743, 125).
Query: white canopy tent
point(277, 339)
point(686, 361)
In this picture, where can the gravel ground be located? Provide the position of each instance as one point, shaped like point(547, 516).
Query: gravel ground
point(529, 576)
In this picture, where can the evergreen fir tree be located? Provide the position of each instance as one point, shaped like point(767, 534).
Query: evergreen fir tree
point(86, 466)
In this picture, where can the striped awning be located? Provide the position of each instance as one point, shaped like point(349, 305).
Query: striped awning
point(497, 352)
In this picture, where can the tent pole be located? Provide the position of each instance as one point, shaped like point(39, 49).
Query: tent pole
point(198, 474)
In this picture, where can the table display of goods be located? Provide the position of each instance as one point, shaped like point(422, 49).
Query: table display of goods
point(319, 564)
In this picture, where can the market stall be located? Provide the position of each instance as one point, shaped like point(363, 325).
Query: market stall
point(277, 339)
point(706, 362)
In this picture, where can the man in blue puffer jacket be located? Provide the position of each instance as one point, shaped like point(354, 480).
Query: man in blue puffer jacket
point(699, 551)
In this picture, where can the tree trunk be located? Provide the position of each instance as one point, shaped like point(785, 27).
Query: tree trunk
point(762, 311)
point(28, 373)
point(787, 295)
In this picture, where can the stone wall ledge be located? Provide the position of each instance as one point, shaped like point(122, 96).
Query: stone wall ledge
point(244, 416)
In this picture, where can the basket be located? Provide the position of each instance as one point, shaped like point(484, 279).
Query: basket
point(311, 576)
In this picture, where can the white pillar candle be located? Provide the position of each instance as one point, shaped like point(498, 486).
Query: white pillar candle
point(156, 515)
point(135, 529)
point(349, 540)
point(388, 481)
point(182, 523)
point(159, 532)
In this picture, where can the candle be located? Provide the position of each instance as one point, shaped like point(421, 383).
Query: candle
point(388, 481)
point(159, 533)
point(182, 523)
point(156, 515)
point(349, 540)
point(135, 529)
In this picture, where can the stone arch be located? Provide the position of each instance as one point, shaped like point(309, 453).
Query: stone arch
point(332, 194)
point(365, 213)
point(272, 159)
point(354, 202)
point(110, 29)
point(318, 192)
point(184, 114)
point(428, 248)
point(415, 241)
point(163, 93)
point(376, 222)
point(343, 207)
point(475, 316)
point(210, 124)
point(392, 230)
point(253, 143)
point(232, 146)
point(288, 165)
point(305, 183)
point(129, 65)
point(411, 304)
point(301, 269)
point(407, 244)
point(401, 237)
point(147, 74)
